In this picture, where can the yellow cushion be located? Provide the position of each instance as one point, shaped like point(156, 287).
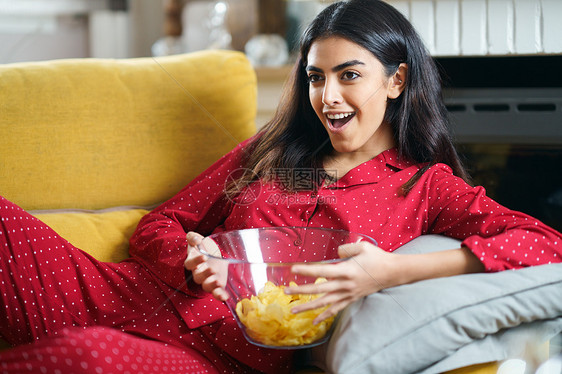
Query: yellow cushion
point(96, 133)
point(487, 368)
point(105, 234)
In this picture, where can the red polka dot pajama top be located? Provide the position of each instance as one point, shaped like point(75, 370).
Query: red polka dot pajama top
point(145, 315)
point(366, 200)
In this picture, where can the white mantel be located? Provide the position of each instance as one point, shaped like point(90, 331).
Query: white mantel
point(486, 27)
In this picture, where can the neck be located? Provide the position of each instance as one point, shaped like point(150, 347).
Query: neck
point(339, 164)
point(359, 156)
point(342, 162)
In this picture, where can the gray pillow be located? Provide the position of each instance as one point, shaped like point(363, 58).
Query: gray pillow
point(442, 324)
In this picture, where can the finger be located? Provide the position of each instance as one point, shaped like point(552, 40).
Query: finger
point(209, 246)
point(330, 287)
point(321, 302)
point(333, 310)
point(326, 271)
point(194, 258)
point(324, 315)
point(202, 273)
point(307, 289)
point(220, 294)
point(311, 305)
point(211, 284)
point(194, 238)
point(349, 250)
point(214, 279)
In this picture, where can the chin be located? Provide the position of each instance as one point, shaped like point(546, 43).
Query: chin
point(343, 147)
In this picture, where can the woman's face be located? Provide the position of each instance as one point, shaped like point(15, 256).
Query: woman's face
point(348, 89)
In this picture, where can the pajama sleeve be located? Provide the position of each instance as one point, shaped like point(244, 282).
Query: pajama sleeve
point(501, 238)
point(159, 242)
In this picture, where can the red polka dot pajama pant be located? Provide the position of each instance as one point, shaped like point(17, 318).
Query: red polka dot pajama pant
point(68, 313)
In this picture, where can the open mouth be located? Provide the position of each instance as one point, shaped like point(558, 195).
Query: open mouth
point(339, 120)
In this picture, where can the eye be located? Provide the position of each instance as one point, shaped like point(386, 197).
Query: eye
point(349, 75)
point(313, 78)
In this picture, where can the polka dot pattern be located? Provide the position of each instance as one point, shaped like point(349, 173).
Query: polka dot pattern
point(78, 311)
point(50, 290)
point(367, 200)
point(101, 350)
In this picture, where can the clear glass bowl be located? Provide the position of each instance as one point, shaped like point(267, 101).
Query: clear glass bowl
point(254, 265)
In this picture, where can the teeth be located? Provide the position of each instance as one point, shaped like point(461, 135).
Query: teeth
point(338, 116)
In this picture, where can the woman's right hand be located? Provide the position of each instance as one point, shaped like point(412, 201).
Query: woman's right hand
point(203, 274)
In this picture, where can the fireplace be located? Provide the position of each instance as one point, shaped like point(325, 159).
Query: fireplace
point(507, 121)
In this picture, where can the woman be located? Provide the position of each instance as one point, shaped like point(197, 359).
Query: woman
point(359, 142)
point(365, 94)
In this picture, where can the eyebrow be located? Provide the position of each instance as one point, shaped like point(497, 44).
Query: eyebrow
point(337, 67)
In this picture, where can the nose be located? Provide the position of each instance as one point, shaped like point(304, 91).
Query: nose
point(331, 94)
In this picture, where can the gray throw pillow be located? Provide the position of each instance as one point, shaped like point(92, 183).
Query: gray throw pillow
point(442, 324)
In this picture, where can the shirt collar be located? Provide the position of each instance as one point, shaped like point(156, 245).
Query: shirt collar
point(392, 158)
point(374, 170)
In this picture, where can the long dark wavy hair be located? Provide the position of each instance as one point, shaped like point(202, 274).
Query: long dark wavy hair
point(295, 138)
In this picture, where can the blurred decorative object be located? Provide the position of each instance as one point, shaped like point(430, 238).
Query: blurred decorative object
point(171, 43)
point(168, 45)
point(267, 50)
point(219, 36)
point(172, 17)
point(242, 21)
point(205, 25)
point(269, 47)
point(193, 26)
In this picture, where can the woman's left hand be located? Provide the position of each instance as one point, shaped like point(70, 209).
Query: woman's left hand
point(368, 270)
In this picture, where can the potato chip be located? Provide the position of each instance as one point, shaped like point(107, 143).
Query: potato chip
point(268, 318)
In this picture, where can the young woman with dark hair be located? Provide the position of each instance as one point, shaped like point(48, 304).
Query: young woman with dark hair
point(364, 102)
point(295, 137)
point(360, 142)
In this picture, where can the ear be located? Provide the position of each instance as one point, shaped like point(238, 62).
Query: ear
point(397, 81)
